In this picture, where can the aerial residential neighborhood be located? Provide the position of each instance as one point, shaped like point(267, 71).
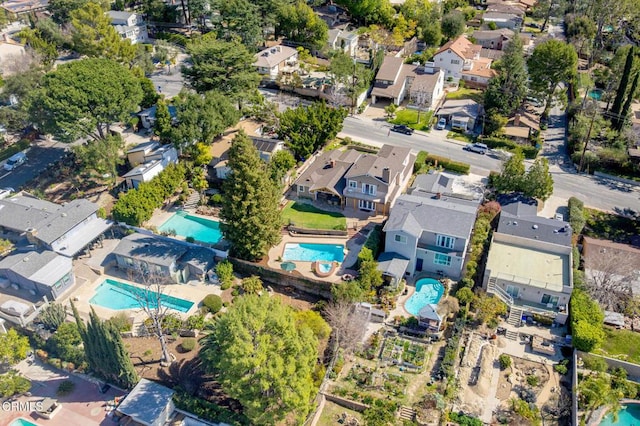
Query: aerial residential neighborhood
point(376, 213)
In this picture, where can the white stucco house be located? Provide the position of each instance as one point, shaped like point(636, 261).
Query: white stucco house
point(271, 61)
point(129, 25)
point(460, 59)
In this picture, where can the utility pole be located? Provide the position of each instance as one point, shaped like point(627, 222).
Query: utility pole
point(586, 140)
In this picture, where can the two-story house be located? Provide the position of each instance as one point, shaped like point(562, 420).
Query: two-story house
point(357, 180)
point(148, 159)
point(432, 231)
point(395, 80)
point(65, 229)
point(129, 25)
point(493, 39)
point(529, 265)
point(266, 148)
point(271, 61)
point(460, 59)
point(346, 41)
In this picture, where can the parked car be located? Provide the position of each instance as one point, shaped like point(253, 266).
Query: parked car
point(442, 123)
point(479, 148)
point(15, 160)
point(401, 128)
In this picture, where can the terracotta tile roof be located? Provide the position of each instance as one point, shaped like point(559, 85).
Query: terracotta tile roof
point(461, 47)
point(481, 68)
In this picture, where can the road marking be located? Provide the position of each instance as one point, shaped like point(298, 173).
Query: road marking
point(5, 175)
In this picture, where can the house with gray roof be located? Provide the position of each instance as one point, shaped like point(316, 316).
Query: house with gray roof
point(271, 61)
point(462, 114)
point(432, 230)
point(129, 25)
point(148, 404)
point(341, 39)
point(529, 265)
point(169, 260)
point(36, 274)
point(66, 228)
point(357, 180)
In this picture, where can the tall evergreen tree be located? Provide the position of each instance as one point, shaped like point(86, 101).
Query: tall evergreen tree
point(250, 214)
point(616, 108)
point(508, 89)
point(105, 352)
point(627, 105)
point(552, 62)
point(162, 127)
point(538, 182)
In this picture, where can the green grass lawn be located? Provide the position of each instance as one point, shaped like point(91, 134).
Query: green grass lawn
point(460, 137)
point(410, 118)
point(610, 226)
point(307, 216)
point(621, 344)
point(467, 93)
point(332, 412)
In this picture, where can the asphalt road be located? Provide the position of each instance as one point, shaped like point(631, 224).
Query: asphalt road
point(604, 194)
point(39, 159)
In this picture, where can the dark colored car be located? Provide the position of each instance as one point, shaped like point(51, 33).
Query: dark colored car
point(401, 128)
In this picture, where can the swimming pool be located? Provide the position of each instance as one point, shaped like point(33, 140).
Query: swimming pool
point(311, 252)
point(186, 225)
point(22, 422)
point(324, 267)
point(595, 94)
point(627, 416)
point(428, 292)
point(115, 295)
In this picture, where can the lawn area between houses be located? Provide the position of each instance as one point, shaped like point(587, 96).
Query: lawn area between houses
point(467, 93)
point(621, 344)
point(409, 117)
point(307, 216)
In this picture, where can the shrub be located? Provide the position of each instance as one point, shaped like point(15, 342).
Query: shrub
point(66, 388)
point(13, 384)
point(224, 270)
point(53, 316)
point(188, 344)
point(464, 420)
point(195, 322)
point(21, 145)
point(190, 239)
point(533, 380)
point(561, 369)
point(505, 361)
point(213, 303)
point(121, 322)
point(576, 215)
point(374, 241)
point(448, 164)
point(102, 213)
point(595, 363)
point(529, 152)
point(216, 199)
point(421, 160)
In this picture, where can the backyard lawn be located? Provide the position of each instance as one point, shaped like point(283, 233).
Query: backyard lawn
point(621, 344)
point(409, 117)
point(467, 93)
point(307, 216)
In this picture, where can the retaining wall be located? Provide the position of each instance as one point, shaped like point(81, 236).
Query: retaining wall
point(347, 403)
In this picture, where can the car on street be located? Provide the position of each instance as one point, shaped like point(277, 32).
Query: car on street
point(479, 148)
point(14, 161)
point(442, 123)
point(401, 128)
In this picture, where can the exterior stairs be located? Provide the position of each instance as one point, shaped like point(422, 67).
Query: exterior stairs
point(407, 413)
point(511, 335)
point(192, 201)
point(515, 316)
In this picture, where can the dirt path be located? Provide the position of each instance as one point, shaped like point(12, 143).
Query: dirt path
point(551, 384)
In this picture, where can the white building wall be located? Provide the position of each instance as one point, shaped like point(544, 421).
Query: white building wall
point(447, 62)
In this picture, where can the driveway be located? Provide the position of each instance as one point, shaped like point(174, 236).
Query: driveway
point(41, 156)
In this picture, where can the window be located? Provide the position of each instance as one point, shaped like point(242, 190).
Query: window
point(442, 259)
point(445, 241)
point(548, 299)
point(368, 189)
point(513, 291)
point(455, 61)
point(366, 205)
point(353, 184)
point(302, 188)
point(400, 239)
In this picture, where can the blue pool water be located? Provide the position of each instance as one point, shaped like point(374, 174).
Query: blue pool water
point(310, 252)
point(595, 94)
point(117, 296)
point(428, 292)
point(324, 267)
point(185, 225)
point(22, 422)
point(629, 415)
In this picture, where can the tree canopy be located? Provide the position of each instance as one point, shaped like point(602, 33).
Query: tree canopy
point(306, 129)
point(299, 23)
point(263, 359)
point(101, 156)
point(250, 214)
point(13, 347)
point(552, 62)
point(225, 66)
point(536, 182)
point(84, 98)
point(368, 12)
point(507, 90)
point(453, 24)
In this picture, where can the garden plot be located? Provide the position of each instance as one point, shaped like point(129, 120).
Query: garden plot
point(403, 352)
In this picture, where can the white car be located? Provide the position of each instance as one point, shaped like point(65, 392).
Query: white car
point(442, 123)
point(479, 148)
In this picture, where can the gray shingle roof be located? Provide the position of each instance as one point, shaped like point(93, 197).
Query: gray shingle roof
point(321, 174)
point(153, 249)
point(391, 263)
point(389, 156)
point(65, 219)
point(45, 267)
point(146, 402)
point(415, 214)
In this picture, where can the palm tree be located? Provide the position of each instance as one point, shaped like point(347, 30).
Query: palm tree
point(595, 391)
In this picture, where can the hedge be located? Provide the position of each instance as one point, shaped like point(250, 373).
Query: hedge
point(576, 215)
point(529, 152)
point(587, 319)
point(448, 164)
point(421, 160)
point(213, 303)
point(21, 145)
point(208, 410)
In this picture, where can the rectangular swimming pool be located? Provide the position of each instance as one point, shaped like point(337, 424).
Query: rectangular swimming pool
point(311, 252)
point(186, 225)
point(118, 296)
point(22, 422)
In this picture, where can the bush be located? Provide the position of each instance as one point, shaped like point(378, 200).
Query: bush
point(21, 145)
point(595, 363)
point(53, 316)
point(121, 322)
point(529, 152)
point(464, 420)
point(195, 322)
point(561, 369)
point(213, 303)
point(533, 380)
point(13, 384)
point(374, 241)
point(576, 215)
point(448, 164)
point(188, 344)
point(505, 361)
point(216, 199)
point(66, 388)
point(208, 410)
point(224, 270)
point(190, 239)
point(421, 160)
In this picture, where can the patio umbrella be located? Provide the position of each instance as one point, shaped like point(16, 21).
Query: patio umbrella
point(288, 266)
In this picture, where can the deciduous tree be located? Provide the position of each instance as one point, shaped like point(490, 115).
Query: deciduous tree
point(250, 214)
point(366, 12)
point(299, 23)
point(453, 24)
point(281, 162)
point(13, 347)
point(163, 127)
point(507, 90)
point(101, 156)
point(84, 98)
point(513, 172)
point(347, 325)
point(551, 63)
point(263, 359)
point(538, 182)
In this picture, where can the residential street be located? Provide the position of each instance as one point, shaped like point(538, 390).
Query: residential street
point(595, 192)
point(40, 156)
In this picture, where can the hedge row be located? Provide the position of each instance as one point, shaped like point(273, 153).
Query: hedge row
point(576, 215)
point(137, 205)
point(208, 410)
point(448, 164)
point(447, 366)
point(587, 319)
point(479, 242)
point(529, 152)
point(21, 145)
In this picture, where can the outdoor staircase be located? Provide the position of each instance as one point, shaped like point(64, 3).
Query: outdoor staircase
point(511, 335)
point(407, 413)
point(515, 316)
point(192, 201)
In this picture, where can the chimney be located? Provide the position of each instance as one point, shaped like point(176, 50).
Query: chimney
point(516, 119)
point(332, 163)
point(386, 174)
point(438, 195)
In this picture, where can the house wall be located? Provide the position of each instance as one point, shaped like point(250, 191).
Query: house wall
point(148, 174)
point(303, 191)
point(452, 271)
point(135, 265)
point(66, 280)
point(450, 63)
point(167, 156)
point(76, 230)
point(136, 158)
point(475, 80)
